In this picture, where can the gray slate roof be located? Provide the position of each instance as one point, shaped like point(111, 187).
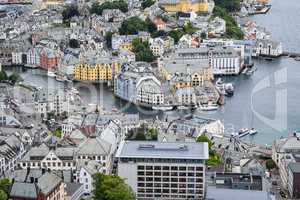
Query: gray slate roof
point(24, 190)
point(94, 146)
point(167, 150)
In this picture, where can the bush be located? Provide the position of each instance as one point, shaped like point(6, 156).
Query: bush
point(133, 25)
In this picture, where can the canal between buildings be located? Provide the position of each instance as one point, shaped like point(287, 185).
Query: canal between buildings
point(267, 100)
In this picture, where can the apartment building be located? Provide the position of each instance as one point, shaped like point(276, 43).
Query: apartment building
point(220, 60)
point(139, 87)
point(101, 69)
point(163, 170)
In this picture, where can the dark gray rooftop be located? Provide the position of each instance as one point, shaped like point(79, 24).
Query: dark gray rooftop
point(171, 150)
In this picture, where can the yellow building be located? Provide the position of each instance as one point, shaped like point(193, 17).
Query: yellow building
point(102, 72)
point(185, 5)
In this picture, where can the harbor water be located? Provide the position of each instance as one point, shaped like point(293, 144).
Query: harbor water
point(267, 100)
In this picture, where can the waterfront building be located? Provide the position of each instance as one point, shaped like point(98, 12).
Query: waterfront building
point(98, 70)
point(139, 87)
point(186, 96)
point(204, 61)
point(267, 48)
point(49, 59)
point(185, 5)
point(163, 170)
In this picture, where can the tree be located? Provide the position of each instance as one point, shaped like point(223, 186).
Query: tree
point(3, 75)
point(142, 51)
point(147, 3)
point(118, 4)
point(232, 29)
point(270, 164)
point(5, 184)
point(214, 157)
point(73, 43)
point(3, 195)
point(57, 132)
point(150, 25)
point(176, 34)
point(204, 138)
point(69, 12)
point(229, 5)
point(14, 78)
point(110, 187)
point(132, 26)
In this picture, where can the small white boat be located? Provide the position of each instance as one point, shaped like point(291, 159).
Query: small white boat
point(208, 107)
point(51, 74)
point(74, 90)
point(182, 107)
point(243, 132)
point(253, 131)
point(162, 108)
point(60, 78)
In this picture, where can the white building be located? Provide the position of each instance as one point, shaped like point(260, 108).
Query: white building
point(85, 175)
point(166, 170)
point(139, 87)
point(267, 48)
point(161, 44)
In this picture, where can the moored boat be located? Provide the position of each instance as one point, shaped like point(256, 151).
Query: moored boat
point(51, 74)
point(208, 107)
point(253, 131)
point(243, 132)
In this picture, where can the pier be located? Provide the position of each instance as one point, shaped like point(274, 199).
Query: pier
point(291, 54)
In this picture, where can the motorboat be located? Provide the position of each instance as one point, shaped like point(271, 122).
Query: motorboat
point(51, 74)
point(253, 131)
point(182, 107)
point(243, 132)
point(60, 78)
point(208, 107)
point(229, 89)
point(162, 108)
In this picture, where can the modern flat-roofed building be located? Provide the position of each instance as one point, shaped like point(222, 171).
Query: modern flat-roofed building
point(163, 170)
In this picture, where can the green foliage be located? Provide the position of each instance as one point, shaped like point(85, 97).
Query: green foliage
point(270, 164)
point(189, 29)
point(14, 78)
point(3, 76)
point(232, 29)
point(176, 34)
point(133, 25)
point(73, 43)
point(204, 138)
point(108, 37)
point(147, 3)
point(4, 188)
point(159, 33)
point(117, 4)
point(57, 132)
point(143, 133)
point(3, 195)
point(142, 51)
point(110, 187)
point(69, 12)
point(214, 157)
point(229, 5)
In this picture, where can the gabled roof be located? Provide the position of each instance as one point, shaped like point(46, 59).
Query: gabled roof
point(94, 146)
